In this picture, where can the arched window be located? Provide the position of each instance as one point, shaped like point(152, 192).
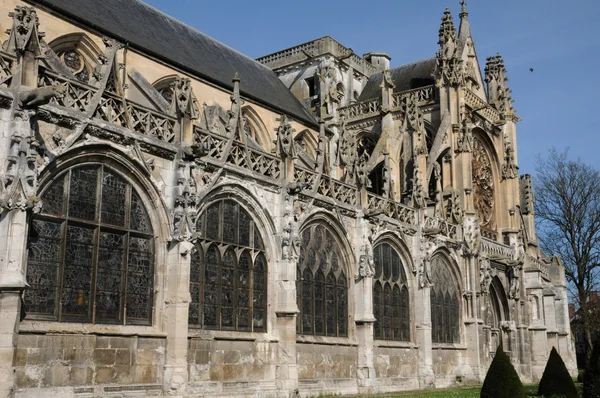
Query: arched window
point(444, 303)
point(390, 295)
point(483, 185)
point(91, 251)
point(79, 54)
point(322, 294)
point(228, 274)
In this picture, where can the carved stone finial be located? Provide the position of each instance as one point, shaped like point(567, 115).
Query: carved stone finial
point(449, 67)
point(19, 187)
point(509, 169)
point(24, 34)
point(526, 191)
point(498, 91)
point(463, 9)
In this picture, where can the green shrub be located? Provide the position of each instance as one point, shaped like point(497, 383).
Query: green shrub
point(591, 378)
point(580, 375)
point(556, 380)
point(502, 380)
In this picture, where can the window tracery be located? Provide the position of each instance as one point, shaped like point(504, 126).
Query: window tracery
point(228, 273)
point(321, 289)
point(76, 63)
point(483, 185)
point(390, 295)
point(444, 303)
point(91, 251)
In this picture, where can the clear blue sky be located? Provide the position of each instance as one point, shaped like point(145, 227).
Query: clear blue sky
point(560, 40)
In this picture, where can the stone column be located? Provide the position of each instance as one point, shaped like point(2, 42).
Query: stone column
point(364, 320)
point(423, 336)
point(177, 300)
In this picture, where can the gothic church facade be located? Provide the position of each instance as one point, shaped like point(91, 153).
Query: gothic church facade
point(178, 219)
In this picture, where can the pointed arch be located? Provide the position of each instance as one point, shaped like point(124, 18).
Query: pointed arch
point(78, 52)
point(444, 296)
point(93, 246)
point(256, 129)
point(323, 287)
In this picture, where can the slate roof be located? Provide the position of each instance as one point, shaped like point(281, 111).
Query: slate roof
point(159, 35)
point(405, 77)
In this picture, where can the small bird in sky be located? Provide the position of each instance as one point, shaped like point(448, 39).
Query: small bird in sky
point(530, 69)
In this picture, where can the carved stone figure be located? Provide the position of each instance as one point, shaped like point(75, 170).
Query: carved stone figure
point(449, 67)
point(483, 185)
point(366, 263)
point(499, 94)
point(485, 274)
point(418, 191)
point(464, 141)
point(285, 138)
point(509, 169)
point(186, 201)
point(424, 274)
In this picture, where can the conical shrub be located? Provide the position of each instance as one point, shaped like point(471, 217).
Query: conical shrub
point(591, 378)
point(556, 380)
point(502, 380)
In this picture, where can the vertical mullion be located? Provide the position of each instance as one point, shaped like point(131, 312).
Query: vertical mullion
point(251, 287)
point(125, 264)
point(202, 283)
point(96, 245)
point(63, 244)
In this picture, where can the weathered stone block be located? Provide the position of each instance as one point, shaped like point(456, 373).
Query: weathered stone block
point(81, 375)
point(20, 357)
point(105, 374)
point(150, 343)
point(57, 376)
point(146, 374)
point(105, 356)
point(231, 357)
point(123, 357)
point(27, 341)
point(25, 379)
point(202, 357)
point(122, 374)
point(120, 342)
point(146, 357)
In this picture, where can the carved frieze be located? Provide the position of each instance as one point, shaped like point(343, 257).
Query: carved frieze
point(186, 201)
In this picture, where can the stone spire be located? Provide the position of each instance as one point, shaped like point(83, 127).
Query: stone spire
point(498, 91)
point(447, 35)
point(464, 30)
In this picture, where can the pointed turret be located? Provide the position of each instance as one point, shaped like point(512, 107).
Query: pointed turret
point(449, 69)
point(498, 91)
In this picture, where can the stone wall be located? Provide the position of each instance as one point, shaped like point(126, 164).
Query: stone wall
point(397, 368)
point(58, 360)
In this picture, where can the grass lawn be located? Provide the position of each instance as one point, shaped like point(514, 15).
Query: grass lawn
point(472, 392)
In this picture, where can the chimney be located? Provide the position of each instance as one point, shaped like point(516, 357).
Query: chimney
point(571, 310)
point(381, 61)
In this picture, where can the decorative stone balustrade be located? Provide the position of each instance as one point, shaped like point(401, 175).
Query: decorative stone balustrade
point(483, 107)
point(496, 249)
point(392, 208)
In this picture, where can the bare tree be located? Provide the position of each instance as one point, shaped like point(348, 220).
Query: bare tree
point(567, 209)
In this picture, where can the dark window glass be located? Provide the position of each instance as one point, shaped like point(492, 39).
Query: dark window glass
point(322, 292)
point(392, 314)
point(444, 303)
point(99, 275)
point(229, 284)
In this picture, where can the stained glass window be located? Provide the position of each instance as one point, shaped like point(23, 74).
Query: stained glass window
point(444, 303)
point(390, 295)
point(321, 285)
point(76, 64)
point(228, 275)
point(91, 251)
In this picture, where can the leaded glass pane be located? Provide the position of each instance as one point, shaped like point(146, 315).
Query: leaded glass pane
point(396, 316)
point(258, 243)
point(140, 220)
point(395, 265)
point(140, 277)
point(43, 267)
point(230, 221)
point(377, 256)
point(77, 277)
point(211, 287)
point(228, 292)
point(319, 304)
point(260, 292)
point(387, 312)
point(244, 228)
point(53, 198)
point(195, 286)
point(82, 193)
point(405, 314)
point(307, 303)
point(243, 290)
point(212, 222)
point(387, 262)
point(378, 309)
point(109, 277)
point(331, 306)
point(445, 321)
point(342, 303)
point(114, 191)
